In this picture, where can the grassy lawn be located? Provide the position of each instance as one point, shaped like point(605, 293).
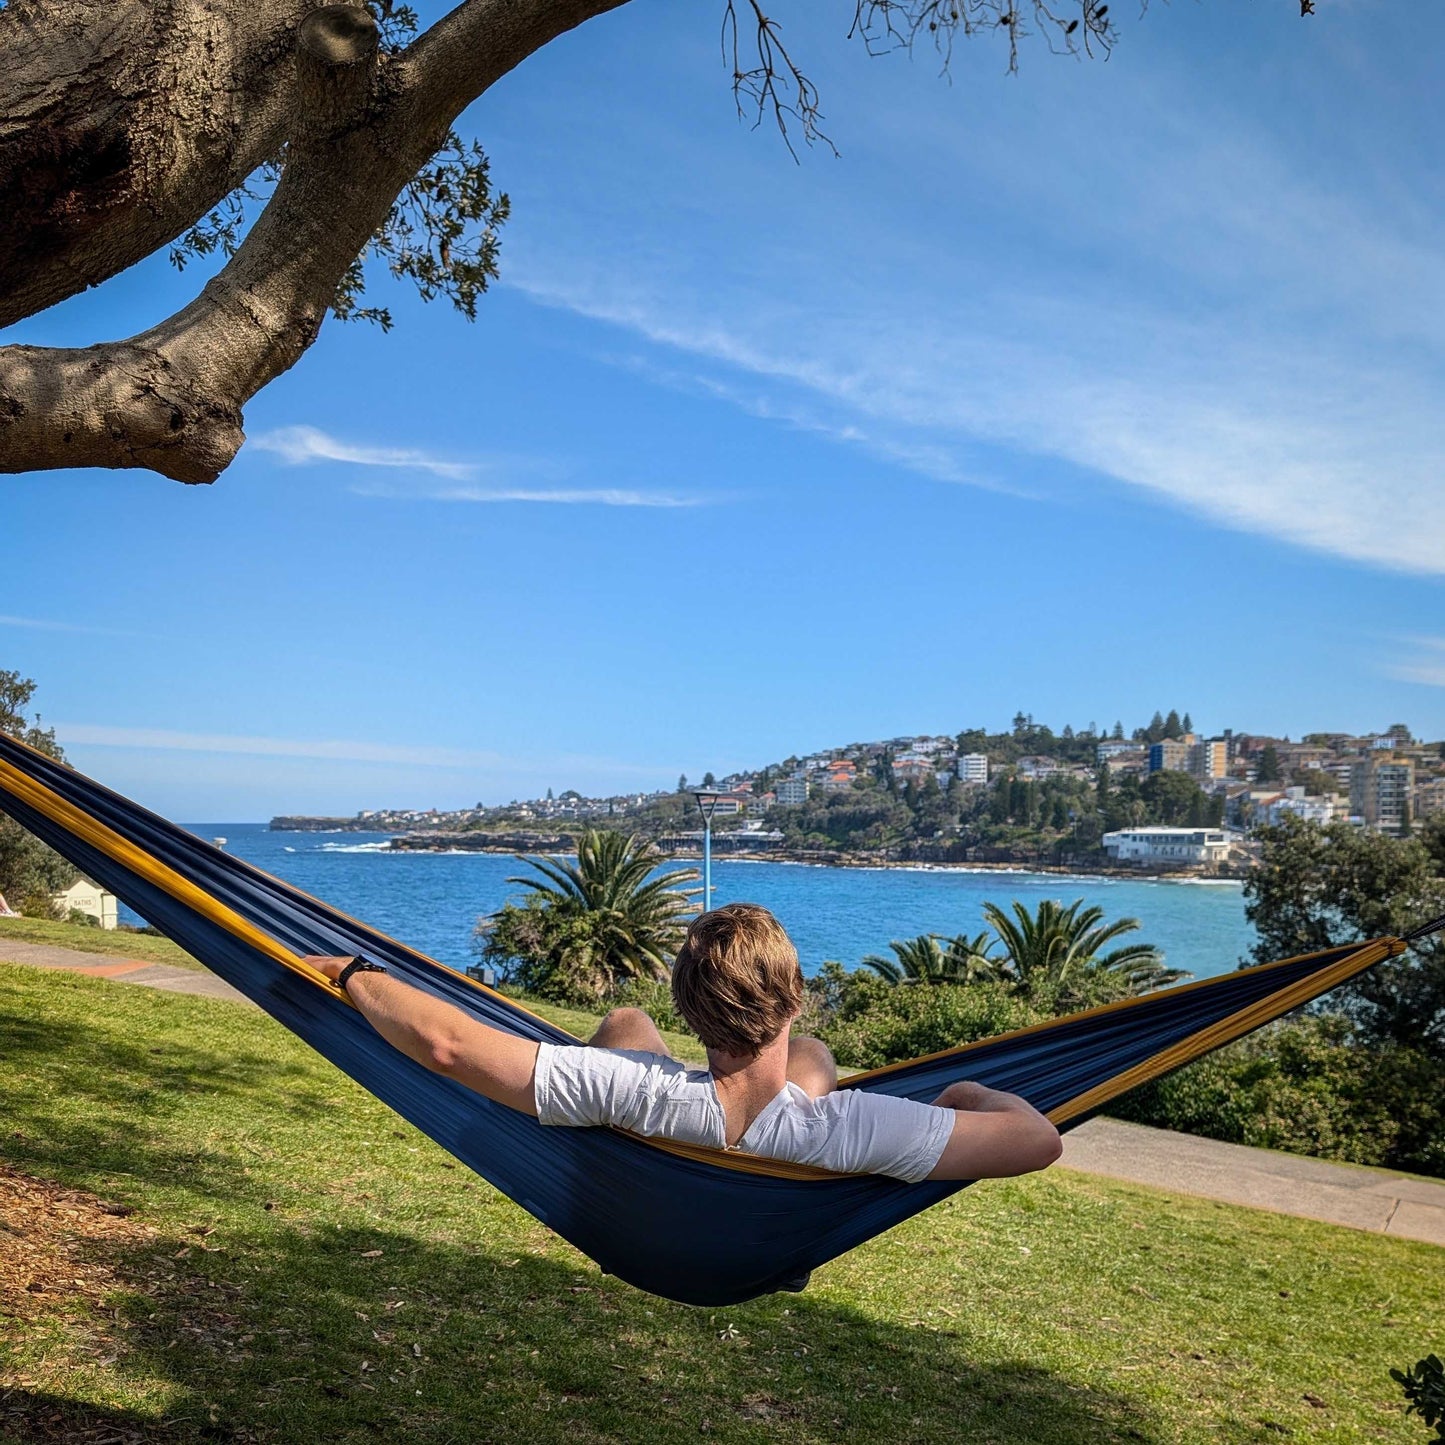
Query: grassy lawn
point(285, 1260)
point(154, 949)
point(116, 942)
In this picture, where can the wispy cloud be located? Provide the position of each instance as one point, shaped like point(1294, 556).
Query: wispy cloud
point(1259, 433)
point(930, 460)
point(1425, 662)
point(1211, 319)
point(552, 496)
point(45, 624)
point(338, 750)
point(303, 445)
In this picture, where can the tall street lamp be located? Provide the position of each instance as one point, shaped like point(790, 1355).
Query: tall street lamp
point(706, 803)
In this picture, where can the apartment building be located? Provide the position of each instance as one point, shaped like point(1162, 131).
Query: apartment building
point(912, 767)
point(1209, 760)
point(1113, 748)
point(972, 768)
point(791, 791)
point(1430, 798)
point(1301, 805)
point(1171, 755)
point(1381, 785)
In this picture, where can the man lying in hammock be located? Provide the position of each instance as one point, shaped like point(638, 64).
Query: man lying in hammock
point(737, 982)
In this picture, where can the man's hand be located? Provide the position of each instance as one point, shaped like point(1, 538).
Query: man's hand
point(995, 1134)
point(325, 963)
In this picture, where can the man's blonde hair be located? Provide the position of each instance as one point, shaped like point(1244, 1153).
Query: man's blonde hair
point(736, 979)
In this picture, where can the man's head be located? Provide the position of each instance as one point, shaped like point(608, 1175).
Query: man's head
point(736, 979)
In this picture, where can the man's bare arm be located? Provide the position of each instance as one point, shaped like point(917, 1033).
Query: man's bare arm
point(995, 1135)
point(443, 1038)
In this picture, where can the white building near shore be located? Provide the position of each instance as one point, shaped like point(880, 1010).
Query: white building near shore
point(1168, 845)
point(86, 897)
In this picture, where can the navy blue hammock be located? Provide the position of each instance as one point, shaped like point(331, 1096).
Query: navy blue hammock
point(688, 1223)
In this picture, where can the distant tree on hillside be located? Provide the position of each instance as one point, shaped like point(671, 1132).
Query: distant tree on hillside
point(1173, 727)
point(1268, 770)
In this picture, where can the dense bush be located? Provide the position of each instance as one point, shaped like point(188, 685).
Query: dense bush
point(654, 998)
point(868, 1022)
point(1310, 1086)
point(30, 873)
point(1424, 1387)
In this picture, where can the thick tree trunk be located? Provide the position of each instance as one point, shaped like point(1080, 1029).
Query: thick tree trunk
point(122, 123)
point(136, 148)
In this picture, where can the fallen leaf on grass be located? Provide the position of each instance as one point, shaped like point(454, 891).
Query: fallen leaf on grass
point(372, 1253)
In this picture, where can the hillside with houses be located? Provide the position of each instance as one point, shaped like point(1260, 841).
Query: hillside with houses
point(1162, 796)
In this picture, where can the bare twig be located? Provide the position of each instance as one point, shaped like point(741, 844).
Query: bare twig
point(884, 25)
point(770, 79)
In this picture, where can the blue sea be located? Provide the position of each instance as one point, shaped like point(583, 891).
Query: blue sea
point(431, 901)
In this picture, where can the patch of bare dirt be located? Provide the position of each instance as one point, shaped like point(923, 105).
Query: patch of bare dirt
point(44, 1265)
point(50, 1268)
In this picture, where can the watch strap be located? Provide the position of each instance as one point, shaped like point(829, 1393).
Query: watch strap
point(357, 965)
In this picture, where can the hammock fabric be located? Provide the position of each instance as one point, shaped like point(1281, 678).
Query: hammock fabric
point(691, 1224)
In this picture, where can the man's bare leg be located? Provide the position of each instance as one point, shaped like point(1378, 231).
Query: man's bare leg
point(630, 1029)
point(811, 1066)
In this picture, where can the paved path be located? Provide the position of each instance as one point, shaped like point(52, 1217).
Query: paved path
point(126, 970)
point(1372, 1199)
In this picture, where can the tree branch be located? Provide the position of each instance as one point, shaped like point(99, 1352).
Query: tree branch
point(115, 135)
point(171, 398)
point(473, 46)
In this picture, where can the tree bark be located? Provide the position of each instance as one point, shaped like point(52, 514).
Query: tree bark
point(121, 124)
point(131, 172)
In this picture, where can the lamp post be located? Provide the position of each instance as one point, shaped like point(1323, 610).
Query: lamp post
point(706, 803)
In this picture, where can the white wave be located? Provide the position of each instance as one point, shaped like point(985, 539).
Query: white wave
point(1203, 882)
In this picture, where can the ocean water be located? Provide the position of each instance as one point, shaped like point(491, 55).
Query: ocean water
point(431, 901)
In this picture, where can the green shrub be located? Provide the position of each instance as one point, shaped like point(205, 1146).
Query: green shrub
point(81, 919)
point(1308, 1086)
point(1424, 1387)
point(654, 998)
point(38, 903)
point(873, 1022)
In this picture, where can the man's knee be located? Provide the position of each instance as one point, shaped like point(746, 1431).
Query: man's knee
point(627, 1028)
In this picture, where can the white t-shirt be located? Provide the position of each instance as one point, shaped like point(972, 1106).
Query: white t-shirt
point(848, 1132)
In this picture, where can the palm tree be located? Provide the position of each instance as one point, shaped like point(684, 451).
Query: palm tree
point(925, 960)
point(627, 922)
point(1061, 950)
point(971, 960)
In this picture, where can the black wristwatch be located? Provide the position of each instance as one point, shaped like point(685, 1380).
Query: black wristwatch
point(357, 965)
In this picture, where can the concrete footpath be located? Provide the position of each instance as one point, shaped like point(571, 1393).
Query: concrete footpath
point(1358, 1198)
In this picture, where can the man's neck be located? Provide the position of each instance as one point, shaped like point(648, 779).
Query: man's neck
point(747, 1083)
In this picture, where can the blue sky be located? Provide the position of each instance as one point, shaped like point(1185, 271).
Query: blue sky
point(1091, 390)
